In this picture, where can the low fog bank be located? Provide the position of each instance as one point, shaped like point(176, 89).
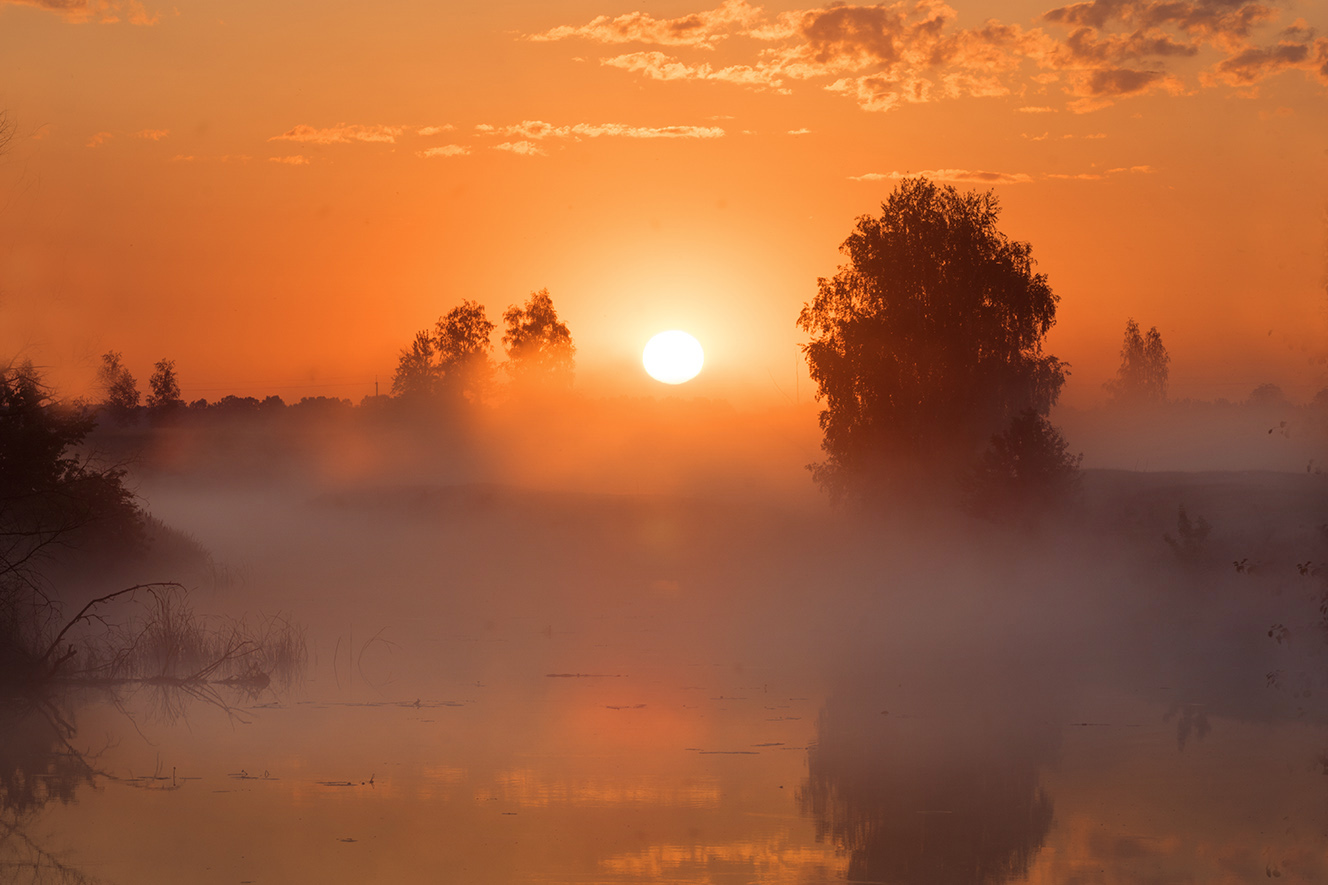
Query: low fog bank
point(673, 537)
point(1266, 434)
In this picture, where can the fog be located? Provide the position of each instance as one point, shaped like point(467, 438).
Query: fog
point(631, 637)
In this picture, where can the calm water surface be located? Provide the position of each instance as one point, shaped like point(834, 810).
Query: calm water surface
point(670, 693)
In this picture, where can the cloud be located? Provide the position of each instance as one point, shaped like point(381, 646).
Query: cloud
point(656, 65)
point(700, 29)
point(964, 175)
point(1257, 63)
point(799, 132)
point(435, 130)
point(980, 177)
point(888, 55)
point(152, 134)
point(447, 150)
point(295, 160)
point(99, 139)
point(1216, 21)
point(340, 134)
point(1035, 110)
point(537, 130)
point(103, 11)
point(523, 148)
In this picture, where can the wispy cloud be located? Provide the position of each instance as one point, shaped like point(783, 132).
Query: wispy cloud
point(99, 139)
point(295, 160)
point(536, 130)
point(970, 176)
point(341, 134)
point(522, 148)
point(700, 29)
point(103, 11)
point(434, 130)
point(152, 134)
point(447, 150)
point(964, 175)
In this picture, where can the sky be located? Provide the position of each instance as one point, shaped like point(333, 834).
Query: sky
point(277, 196)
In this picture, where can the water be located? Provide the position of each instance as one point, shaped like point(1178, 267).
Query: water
point(514, 688)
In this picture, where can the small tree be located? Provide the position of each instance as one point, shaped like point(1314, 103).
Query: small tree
point(1142, 376)
point(539, 347)
point(416, 374)
point(122, 396)
point(927, 341)
point(165, 396)
point(1025, 471)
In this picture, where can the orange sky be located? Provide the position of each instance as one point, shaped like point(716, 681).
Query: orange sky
point(278, 195)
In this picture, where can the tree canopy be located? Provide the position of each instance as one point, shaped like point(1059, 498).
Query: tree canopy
point(539, 346)
point(1142, 376)
point(453, 360)
point(122, 396)
point(928, 340)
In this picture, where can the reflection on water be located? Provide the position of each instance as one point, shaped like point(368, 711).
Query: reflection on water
point(38, 766)
point(930, 799)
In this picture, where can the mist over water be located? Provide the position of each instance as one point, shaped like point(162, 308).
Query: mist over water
point(623, 641)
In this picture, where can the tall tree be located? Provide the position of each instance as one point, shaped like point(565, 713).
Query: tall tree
point(416, 374)
point(165, 395)
point(928, 341)
point(539, 346)
point(462, 340)
point(453, 361)
point(1142, 376)
point(122, 396)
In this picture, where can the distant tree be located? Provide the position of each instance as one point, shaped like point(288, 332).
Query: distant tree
point(416, 374)
point(928, 341)
point(165, 396)
point(539, 347)
point(463, 345)
point(1025, 471)
point(1267, 395)
point(1142, 376)
point(454, 361)
point(122, 396)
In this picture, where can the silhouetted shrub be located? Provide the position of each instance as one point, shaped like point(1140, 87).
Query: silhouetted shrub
point(1025, 471)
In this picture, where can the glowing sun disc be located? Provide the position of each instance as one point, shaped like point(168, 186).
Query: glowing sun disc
point(673, 357)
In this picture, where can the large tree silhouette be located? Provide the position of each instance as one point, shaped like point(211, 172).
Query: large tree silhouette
point(927, 341)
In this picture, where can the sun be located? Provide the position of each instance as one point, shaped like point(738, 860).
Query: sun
point(673, 357)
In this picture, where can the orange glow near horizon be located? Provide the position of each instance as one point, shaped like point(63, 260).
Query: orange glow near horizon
point(278, 201)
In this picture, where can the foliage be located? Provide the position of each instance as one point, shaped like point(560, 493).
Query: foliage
point(1142, 376)
point(49, 495)
point(928, 340)
point(48, 491)
point(1025, 471)
point(539, 347)
point(416, 375)
point(1191, 536)
point(122, 396)
point(1267, 395)
point(165, 395)
point(453, 362)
